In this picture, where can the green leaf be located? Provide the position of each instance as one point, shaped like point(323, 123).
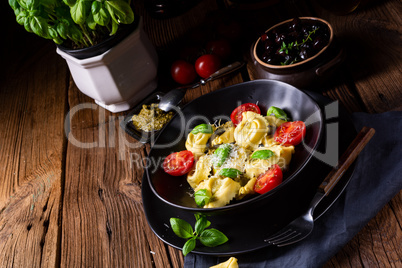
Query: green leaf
point(79, 11)
point(262, 154)
point(52, 33)
point(22, 17)
point(278, 113)
point(32, 4)
point(115, 26)
point(23, 3)
point(202, 128)
point(212, 238)
point(181, 228)
point(74, 33)
point(189, 246)
point(221, 154)
point(40, 27)
point(27, 24)
point(100, 14)
point(62, 30)
point(90, 22)
point(202, 197)
point(229, 172)
point(201, 224)
point(14, 4)
point(70, 3)
point(120, 11)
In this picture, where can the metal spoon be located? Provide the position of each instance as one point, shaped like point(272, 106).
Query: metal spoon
point(175, 96)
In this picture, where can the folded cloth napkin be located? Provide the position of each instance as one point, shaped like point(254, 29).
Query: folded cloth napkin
point(376, 180)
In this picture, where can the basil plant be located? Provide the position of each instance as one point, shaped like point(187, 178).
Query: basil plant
point(83, 22)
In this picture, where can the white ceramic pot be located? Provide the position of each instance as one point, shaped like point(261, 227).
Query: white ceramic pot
point(120, 77)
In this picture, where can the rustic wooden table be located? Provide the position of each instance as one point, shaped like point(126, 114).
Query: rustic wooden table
point(64, 205)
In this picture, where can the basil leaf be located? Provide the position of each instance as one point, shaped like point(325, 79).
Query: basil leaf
point(27, 24)
point(40, 27)
point(14, 4)
point(212, 238)
point(221, 154)
point(70, 3)
point(202, 197)
point(22, 17)
point(202, 128)
point(262, 154)
point(91, 22)
point(181, 228)
point(229, 172)
point(278, 113)
point(100, 13)
point(189, 246)
point(79, 11)
point(62, 30)
point(120, 11)
point(201, 224)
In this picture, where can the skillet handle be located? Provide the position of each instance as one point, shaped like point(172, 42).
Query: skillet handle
point(347, 158)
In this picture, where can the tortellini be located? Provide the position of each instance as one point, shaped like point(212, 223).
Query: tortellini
point(245, 152)
point(197, 143)
point(251, 130)
point(230, 263)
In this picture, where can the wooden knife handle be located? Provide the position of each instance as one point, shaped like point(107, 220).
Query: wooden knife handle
point(347, 158)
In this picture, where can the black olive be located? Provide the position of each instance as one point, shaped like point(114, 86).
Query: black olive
point(295, 24)
point(318, 43)
point(280, 38)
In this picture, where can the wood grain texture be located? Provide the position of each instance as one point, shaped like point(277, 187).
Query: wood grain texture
point(77, 202)
point(371, 37)
point(33, 103)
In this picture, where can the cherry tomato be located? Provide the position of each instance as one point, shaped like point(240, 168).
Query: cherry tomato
point(179, 163)
point(236, 115)
point(183, 72)
point(207, 64)
point(268, 180)
point(290, 133)
point(220, 47)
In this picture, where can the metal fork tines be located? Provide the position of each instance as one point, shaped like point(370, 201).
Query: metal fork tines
point(297, 230)
point(302, 226)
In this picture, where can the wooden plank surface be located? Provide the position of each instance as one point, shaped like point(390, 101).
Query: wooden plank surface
point(77, 202)
point(33, 103)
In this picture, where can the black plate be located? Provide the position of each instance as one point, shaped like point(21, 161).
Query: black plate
point(246, 232)
point(217, 106)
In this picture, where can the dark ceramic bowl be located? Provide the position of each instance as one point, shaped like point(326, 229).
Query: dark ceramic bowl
point(176, 192)
point(308, 73)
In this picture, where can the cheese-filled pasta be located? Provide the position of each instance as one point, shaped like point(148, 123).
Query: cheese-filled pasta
point(242, 157)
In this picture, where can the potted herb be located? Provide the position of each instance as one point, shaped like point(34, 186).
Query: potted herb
point(110, 57)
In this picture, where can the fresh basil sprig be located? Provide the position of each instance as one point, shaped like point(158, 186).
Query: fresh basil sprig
point(202, 128)
point(202, 197)
point(278, 113)
point(208, 237)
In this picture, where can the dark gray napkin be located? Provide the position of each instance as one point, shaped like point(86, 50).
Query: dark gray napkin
point(376, 180)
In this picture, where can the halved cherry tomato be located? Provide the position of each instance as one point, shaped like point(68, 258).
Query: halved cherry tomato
point(179, 163)
point(290, 133)
point(236, 115)
point(268, 180)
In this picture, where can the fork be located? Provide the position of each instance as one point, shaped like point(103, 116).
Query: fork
point(302, 226)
